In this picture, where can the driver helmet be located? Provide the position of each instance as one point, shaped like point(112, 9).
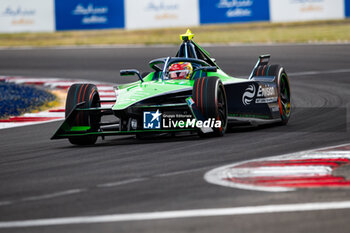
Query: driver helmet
point(180, 70)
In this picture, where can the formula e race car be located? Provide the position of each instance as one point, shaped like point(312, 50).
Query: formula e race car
point(188, 92)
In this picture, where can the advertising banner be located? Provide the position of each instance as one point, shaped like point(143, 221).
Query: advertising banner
point(303, 10)
point(89, 14)
point(230, 11)
point(347, 8)
point(26, 16)
point(161, 13)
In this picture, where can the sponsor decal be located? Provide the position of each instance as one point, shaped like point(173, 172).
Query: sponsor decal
point(266, 95)
point(152, 120)
point(248, 95)
point(220, 11)
point(262, 96)
point(266, 91)
point(265, 100)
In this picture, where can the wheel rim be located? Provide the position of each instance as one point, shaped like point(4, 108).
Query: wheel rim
point(222, 108)
point(285, 95)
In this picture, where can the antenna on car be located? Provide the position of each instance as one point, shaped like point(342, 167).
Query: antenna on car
point(187, 36)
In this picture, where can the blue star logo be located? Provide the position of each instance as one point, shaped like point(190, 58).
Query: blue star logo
point(151, 120)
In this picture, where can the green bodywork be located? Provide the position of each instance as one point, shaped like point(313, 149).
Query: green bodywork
point(129, 94)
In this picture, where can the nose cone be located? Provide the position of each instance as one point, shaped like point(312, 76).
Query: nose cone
point(140, 91)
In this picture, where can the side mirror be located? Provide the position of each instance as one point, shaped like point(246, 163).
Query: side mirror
point(130, 73)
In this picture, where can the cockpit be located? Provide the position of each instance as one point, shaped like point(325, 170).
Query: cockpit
point(190, 62)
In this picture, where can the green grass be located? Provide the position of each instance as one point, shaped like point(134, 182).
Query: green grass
point(246, 33)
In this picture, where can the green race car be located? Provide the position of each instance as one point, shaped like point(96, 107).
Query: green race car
point(188, 92)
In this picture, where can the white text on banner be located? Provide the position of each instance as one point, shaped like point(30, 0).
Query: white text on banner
point(304, 10)
point(27, 16)
point(141, 14)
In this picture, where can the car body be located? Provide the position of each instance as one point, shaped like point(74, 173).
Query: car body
point(159, 104)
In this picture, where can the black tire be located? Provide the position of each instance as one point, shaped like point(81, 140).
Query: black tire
point(87, 93)
point(284, 95)
point(210, 97)
point(282, 81)
point(266, 70)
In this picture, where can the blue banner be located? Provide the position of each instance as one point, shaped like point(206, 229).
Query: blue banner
point(89, 14)
point(230, 11)
point(347, 8)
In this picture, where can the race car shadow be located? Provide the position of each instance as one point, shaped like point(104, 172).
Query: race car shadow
point(148, 139)
point(171, 137)
point(178, 137)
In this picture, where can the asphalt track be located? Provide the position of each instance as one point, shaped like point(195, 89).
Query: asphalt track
point(50, 179)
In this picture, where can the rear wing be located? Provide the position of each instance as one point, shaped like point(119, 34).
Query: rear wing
point(263, 60)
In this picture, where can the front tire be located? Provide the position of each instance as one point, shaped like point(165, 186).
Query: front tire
point(87, 93)
point(210, 97)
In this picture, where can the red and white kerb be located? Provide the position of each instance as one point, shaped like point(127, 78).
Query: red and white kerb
point(308, 169)
point(105, 90)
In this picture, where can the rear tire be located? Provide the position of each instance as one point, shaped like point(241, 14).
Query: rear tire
point(87, 93)
point(284, 96)
point(283, 88)
point(210, 97)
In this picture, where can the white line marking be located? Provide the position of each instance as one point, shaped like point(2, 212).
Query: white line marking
point(53, 195)
point(2, 203)
point(45, 114)
point(20, 124)
point(182, 172)
point(118, 183)
point(265, 209)
point(278, 171)
point(319, 72)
